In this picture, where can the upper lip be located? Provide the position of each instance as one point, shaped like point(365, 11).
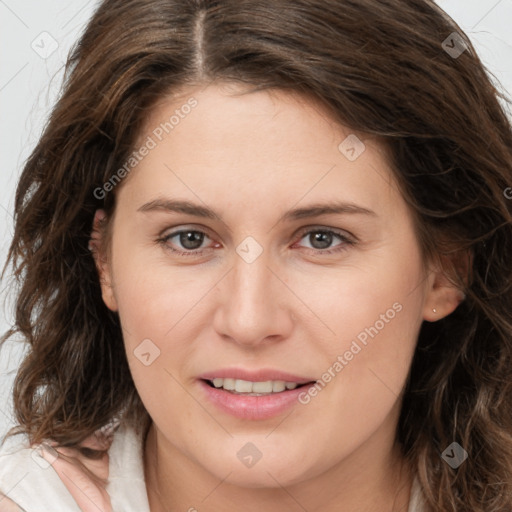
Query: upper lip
point(261, 375)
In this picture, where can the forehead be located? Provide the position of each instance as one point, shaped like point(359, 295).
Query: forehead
point(271, 146)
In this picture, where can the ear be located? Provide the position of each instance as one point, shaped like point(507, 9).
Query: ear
point(443, 294)
point(99, 253)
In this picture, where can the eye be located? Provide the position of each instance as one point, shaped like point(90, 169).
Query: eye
point(321, 240)
point(189, 239)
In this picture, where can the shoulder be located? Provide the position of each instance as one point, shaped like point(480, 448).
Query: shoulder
point(28, 481)
point(46, 477)
point(41, 478)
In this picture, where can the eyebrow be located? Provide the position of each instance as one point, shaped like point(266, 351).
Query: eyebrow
point(314, 210)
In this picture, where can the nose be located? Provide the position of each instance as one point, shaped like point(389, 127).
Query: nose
point(256, 305)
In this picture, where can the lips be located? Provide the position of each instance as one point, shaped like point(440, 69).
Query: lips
point(253, 395)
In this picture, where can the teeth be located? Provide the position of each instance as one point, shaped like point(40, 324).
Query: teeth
point(278, 386)
point(228, 384)
point(218, 383)
point(245, 386)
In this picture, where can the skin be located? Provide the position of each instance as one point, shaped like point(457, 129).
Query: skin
point(251, 158)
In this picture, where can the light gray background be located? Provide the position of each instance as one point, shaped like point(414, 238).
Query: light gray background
point(35, 37)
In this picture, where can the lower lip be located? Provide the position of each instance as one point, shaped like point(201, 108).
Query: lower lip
point(252, 407)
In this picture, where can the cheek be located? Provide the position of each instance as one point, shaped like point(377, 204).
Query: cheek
point(164, 314)
point(152, 295)
point(376, 316)
point(382, 301)
point(361, 381)
point(148, 307)
point(157, 319)
point(376, 358)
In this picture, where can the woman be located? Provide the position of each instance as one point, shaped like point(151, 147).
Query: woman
point(263, 256)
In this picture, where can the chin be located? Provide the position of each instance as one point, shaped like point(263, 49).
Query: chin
point(277, 471)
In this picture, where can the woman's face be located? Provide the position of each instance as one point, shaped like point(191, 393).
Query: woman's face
point(297, 262)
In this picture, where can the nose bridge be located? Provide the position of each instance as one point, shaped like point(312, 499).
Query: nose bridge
point(251, 307)
point(251, 286)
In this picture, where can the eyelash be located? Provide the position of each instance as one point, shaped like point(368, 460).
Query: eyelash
point(342, 247)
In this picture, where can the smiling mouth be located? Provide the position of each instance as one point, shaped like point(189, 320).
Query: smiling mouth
point(249, 388)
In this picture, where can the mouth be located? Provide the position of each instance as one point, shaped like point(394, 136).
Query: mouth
point(250, 394)
point(252, 388)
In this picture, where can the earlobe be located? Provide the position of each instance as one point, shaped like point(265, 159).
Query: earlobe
point(442, 303)
point(443, 295)
point(97, 248)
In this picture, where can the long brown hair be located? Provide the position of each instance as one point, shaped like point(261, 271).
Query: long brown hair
point(398, 69)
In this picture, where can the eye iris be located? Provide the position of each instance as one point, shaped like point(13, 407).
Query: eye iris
point(324, 238)
point(191, 237)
